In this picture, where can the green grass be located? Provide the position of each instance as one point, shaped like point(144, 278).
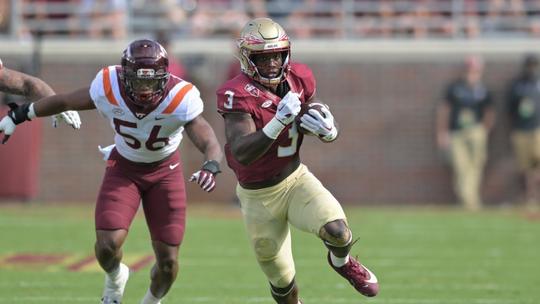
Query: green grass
point(421, 256)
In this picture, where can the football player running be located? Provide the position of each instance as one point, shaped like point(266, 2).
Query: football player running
point(275, 189)
point(149, 109)
point(32, 88)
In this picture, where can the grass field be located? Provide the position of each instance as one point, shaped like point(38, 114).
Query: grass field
point(421, 256)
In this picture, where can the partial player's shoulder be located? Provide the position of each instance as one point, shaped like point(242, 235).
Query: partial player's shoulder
point(237, 95)
point(301, 70)
point(239, 86)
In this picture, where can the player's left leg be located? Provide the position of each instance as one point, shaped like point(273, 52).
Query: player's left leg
point(117, 203)
point(163, 273)
point(314, 209)
point(164, 205)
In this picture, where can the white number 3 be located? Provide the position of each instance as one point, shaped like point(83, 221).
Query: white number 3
point(228, 104)
point(290, 149)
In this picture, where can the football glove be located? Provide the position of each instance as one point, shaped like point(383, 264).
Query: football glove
point(71, 118)
point(8, 127)
point(206, 177)
point(322, 126)
point(288, 108)
point(16, 115)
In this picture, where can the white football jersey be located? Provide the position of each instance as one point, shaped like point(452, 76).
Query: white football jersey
point(149, 138)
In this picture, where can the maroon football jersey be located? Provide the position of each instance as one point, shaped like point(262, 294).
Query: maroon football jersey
point(241, 94)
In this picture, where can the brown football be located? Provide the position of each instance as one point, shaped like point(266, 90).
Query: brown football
point(304, 108)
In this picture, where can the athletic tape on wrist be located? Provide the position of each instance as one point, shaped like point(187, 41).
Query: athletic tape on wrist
point(273, 128)
point(31, 113)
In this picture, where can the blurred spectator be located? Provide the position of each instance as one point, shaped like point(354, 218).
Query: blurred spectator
point(218, 17)
point(316, 18)
point(176, 68)
point(47, 17)
point(104, 18)
point(524, 111)
point(464, 121)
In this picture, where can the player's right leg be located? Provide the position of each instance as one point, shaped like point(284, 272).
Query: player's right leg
point(117, 204)
point(268, 231)
point(109, 255)
point(286, 295)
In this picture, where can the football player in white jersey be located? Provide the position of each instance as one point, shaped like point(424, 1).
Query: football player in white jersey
point(33, 88)
point(148, 108)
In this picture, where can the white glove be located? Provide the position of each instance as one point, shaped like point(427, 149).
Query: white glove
point(205, 179)
point(288, 108)
point(322, 126)
point(8, 127)
point(71, 118)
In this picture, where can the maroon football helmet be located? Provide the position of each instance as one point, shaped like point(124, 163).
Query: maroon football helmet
point(145, 71)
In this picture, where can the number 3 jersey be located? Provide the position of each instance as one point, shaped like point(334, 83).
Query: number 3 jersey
point(242, 95)
point(146, 136)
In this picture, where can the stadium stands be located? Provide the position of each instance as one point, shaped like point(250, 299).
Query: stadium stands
point(336, 19)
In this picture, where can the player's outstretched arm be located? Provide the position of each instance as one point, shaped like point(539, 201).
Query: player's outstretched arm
point(32, 88)
point(203, 137)
point(78, 100)
point(55, 104)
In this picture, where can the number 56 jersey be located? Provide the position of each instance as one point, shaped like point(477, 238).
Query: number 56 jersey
point(243, 95)
point(151, 135)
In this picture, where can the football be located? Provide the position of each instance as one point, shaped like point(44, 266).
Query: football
point(305, 107)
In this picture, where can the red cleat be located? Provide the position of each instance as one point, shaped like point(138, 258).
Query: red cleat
point(363, 280)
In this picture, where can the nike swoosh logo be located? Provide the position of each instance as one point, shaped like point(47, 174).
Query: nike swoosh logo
point(176, 165)
point(372, 277)
point(159, 118)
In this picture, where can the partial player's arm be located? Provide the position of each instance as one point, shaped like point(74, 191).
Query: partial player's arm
point(33, 88)
point(247, 144)
point(18, 83)
point(76, 100)
point(203, 137)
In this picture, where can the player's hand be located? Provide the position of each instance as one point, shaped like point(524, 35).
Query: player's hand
point(288, 108)
point(8, 127)
point(321, 125)
point(205, 179)
point(71, 118)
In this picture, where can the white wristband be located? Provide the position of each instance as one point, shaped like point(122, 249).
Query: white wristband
point(273, 128)
point(332, 136)
point(31, 113)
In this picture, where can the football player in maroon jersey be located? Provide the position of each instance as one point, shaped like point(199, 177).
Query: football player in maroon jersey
point(275, 189)
point(148, 109)
point(33, 88)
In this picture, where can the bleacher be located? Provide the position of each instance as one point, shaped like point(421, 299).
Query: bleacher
point(310, 19)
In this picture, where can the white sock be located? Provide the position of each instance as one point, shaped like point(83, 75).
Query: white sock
point(113, 274)
point(149, 298)
point(337, 261)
